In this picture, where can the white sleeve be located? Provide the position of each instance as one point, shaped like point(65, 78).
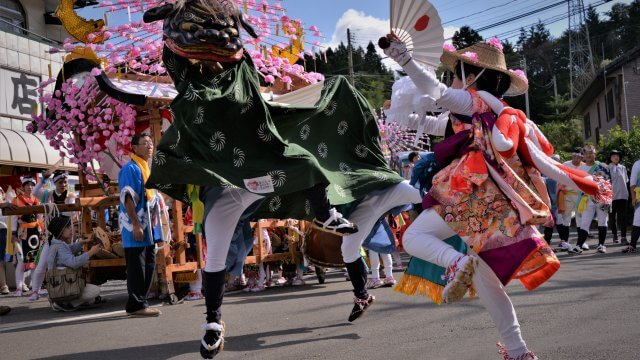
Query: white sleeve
point(424, 79)
point(38, 191)
point(633, 181)
point(436, 125)
point(457, 101)
point(71, 198)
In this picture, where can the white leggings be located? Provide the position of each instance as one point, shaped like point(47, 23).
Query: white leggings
point(221, 222)
point(587, 216)
point(636, 216)
point(423, 239)
point(571, 209)
point(20, 273)
point(37, 277)
point(370, 210)
point(374, 258)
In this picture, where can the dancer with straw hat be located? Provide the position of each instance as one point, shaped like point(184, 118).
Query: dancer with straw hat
point(478, 229)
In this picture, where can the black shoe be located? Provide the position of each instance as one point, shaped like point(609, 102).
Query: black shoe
point(213, 340)
point(336, 224)
point(360, 306)
point(630, 249)
point(625, 241)
point(322, 276)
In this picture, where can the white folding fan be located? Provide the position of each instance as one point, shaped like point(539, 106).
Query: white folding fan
point(417, 23)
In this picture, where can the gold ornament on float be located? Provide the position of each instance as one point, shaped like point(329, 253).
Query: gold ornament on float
point(77, 26)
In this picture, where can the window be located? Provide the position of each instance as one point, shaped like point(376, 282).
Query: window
point(597, 135)
point(12, 17)
point(587, 126)
point(599, 117)
point(611, 109)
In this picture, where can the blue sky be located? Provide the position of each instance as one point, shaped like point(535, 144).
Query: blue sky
point(367, 17)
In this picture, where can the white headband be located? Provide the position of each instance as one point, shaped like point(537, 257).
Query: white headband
point(60, 176)
point(26, 179)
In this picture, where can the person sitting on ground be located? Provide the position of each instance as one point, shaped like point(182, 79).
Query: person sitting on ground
point(61, 254)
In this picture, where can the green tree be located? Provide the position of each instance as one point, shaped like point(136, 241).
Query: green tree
point(564, 135)
point(627, 142)
point(465, 37)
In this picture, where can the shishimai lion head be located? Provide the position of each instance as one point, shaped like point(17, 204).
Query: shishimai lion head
point(202, 29)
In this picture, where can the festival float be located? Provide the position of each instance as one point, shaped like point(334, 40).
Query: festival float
point(114, 84)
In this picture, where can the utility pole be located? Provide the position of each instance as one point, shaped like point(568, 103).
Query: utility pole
point(555, 93)
point(352, 76)
point(526, 95)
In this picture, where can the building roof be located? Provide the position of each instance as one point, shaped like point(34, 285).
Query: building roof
point(596, 86)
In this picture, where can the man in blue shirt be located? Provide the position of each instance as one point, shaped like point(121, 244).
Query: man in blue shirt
point(136, 225)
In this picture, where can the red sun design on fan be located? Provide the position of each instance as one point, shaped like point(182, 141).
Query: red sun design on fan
point(422, 23)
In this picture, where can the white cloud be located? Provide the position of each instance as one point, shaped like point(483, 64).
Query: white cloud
point(449, 31)
point(365, 28)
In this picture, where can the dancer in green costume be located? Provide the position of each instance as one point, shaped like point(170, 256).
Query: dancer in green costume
point(228, 151)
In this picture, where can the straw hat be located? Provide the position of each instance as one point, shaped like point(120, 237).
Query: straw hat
point(487, 55)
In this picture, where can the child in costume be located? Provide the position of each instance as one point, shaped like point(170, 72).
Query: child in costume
point(480, 215)
point(226, 155)
point(26, 237)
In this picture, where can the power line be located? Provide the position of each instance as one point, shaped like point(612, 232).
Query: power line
point(480, 12)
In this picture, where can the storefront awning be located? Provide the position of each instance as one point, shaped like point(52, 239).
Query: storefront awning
point(19, 148)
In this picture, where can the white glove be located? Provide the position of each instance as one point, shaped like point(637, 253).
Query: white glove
point(398, 52)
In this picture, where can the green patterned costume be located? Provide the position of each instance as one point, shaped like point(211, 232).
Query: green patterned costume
point(225, 134)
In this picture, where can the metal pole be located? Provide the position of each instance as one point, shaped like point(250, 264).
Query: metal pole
point(624, 89)
point(352, 76)
point(555, 94)
point(604, 69)
point(526, 95)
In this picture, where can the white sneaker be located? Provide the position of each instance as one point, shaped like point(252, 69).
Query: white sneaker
point(565, 246)
point(34, 296)
point(602, 249)
point(575, 250)
point(585, 246)
point(373, 283)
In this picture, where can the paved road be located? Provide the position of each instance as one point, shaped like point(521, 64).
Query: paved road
point(589, 310)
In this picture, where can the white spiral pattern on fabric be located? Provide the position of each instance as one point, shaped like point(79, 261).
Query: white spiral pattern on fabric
point(362, 151)
point(238, 157)
point(275, 204)
point(305, 132)
point(264, 133)
point(191, 94)
point(174, 146)
point(217, 141)
point(345, 168)
point(323, 150)
point(278, 177)
point(343, 127)
point(331, 108)
point(307, 207)
point(159, 158)
point(199, 119)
